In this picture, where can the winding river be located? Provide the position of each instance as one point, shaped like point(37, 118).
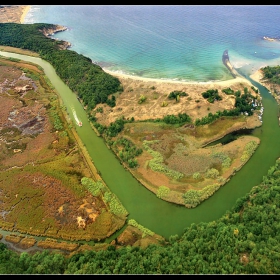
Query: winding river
point(162, 217)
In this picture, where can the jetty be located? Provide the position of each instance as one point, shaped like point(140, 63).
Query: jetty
point(227, 63)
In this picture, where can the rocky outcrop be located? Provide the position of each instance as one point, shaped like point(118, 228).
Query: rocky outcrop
point(51, 31)
point(271, 38)
point(48, 32)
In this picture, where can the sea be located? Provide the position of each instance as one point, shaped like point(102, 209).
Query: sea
point(169, 42)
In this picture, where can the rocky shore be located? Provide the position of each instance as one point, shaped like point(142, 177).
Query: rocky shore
point(51, 31)
point(48, 32)
point(271, 39)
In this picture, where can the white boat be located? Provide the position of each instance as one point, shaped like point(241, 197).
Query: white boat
point(79, 123)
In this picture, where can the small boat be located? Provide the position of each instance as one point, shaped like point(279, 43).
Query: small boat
point(79, 123)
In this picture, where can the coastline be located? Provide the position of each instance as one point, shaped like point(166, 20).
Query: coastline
point(144, 79)
point(24, 13)
point(25, 9)
point(226, 83)
point(226, 62)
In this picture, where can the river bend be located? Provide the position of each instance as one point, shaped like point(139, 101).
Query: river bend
point(162, 217)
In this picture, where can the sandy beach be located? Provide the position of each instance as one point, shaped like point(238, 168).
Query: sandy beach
point(225, 83)
point(24, 13)
point(13, 13)
point(257, 76)
point(158, 105)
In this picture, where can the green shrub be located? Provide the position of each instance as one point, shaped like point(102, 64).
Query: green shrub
point(196, 175)
point(162, 191)
point(212, 173)
point(142, 99)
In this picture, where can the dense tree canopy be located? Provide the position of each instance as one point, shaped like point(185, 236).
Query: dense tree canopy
point(272, 73)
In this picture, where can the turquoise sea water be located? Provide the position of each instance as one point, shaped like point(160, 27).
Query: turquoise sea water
point(168, 42)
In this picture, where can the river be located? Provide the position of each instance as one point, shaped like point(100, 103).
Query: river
point(162, 217)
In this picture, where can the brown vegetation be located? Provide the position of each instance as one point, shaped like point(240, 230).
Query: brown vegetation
point(53, 244)
point(134, 237)
point(156, 93)
point(41, 167)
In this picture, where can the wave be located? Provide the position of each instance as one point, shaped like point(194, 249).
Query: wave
point(30, 16)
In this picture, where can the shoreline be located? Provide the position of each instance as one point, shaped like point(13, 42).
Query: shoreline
point(166, 81)
point(236, 79)
point(24, 13)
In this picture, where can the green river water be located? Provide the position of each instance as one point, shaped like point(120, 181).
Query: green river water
point(162, 217)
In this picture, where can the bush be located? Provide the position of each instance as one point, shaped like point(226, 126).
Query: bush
point(162, 191)
point(196, 175)
point(142, 99)
point(212, 173)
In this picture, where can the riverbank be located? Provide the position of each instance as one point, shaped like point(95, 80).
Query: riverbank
point(155, 92)
point(166, 218)
point(196, 109)
point(273, 88)
point(257, 76)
